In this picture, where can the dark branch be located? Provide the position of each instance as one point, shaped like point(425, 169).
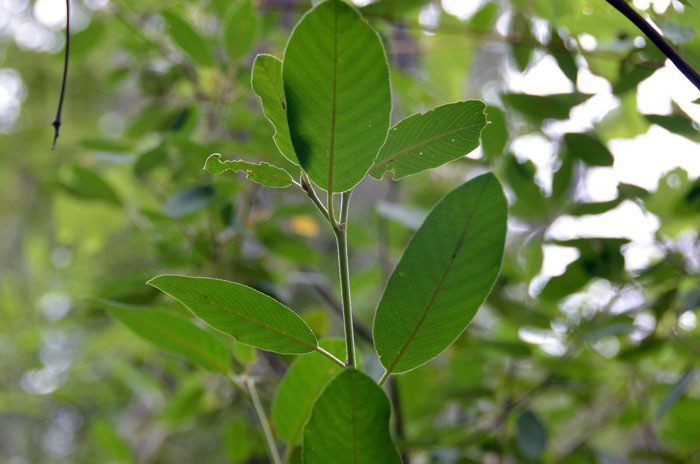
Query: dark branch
point(57, 120)
point(658, 40)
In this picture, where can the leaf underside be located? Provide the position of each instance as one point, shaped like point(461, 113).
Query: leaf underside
point(251, 317)
point(267, 84)
point(425, 141)
point(338, 96)
point(444, 275)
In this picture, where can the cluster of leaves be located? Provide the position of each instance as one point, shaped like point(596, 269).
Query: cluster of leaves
point(126, 199)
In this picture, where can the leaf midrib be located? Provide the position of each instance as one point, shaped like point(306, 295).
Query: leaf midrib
point(391, 158)
point(249, 319)
point(331, 157)
point(453, 258)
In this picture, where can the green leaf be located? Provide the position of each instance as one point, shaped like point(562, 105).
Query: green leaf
point(495, 135)
point(588, 149)
point(338, 97)
point(349, 424)
point(263, 173)
point(267, 84)
point(110, 444)
point(531, 438)
point(189, 200)
point(540, 107)
point(565, 58)
point(676, 392)
point(173, 334)
point(444, 275)
point(188, 39)
point(302, 384)
point(241, 30)
point(249, 316)
point(86, 183)
point(425, 141)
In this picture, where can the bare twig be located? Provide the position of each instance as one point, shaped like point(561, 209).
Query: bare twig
point(658, 40)
point(57, 120)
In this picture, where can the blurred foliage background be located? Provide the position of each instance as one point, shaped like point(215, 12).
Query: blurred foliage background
point(593, 362)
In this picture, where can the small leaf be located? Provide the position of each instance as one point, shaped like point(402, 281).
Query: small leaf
point(302, 384)
point(338, 97)
point(349, 424)
point(173, 334)
point(565, 58)
point(86, 183)
point(495, 135)
point(676, 392)
point(241, 30)
point(189, 200)
point(263, 173)
point(267, 84)
point(188, 39)
point(249, 316)
point(588, 149)
point(540, 107)
point(425, 141)
point(440, 283)
point(531, 438)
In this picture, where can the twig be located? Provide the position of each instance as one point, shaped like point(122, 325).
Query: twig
point(264, 424)
point(658, 40)
point(57, 120)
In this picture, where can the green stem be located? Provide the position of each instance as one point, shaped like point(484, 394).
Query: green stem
point(341, 237)
point(264, 424)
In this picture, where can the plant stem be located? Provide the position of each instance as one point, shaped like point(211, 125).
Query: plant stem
point(341, 236)
point(384, 378)
point(262, 418)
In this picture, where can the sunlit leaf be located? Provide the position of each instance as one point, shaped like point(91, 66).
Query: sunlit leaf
point(262, 173)
point(267, 84)
point(425, 141)
point(338, 98)
point(439, 284)
point(249, 316)
point(349, 424)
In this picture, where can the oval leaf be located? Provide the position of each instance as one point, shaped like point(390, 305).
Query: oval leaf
point(267, 84)
point(338, 97)
point(531, 439)
point(263, 173)
point(350, 424)
point(241, 30)
point(588, 149)
point(188, 39)
point(425, 141)
point(251, 317)
point(173, 334)
point(444, 275)
point(189, 200)
point(301, 385)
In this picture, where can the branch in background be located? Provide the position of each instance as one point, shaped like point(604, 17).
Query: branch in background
point(658, 40)
point(57, 120)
